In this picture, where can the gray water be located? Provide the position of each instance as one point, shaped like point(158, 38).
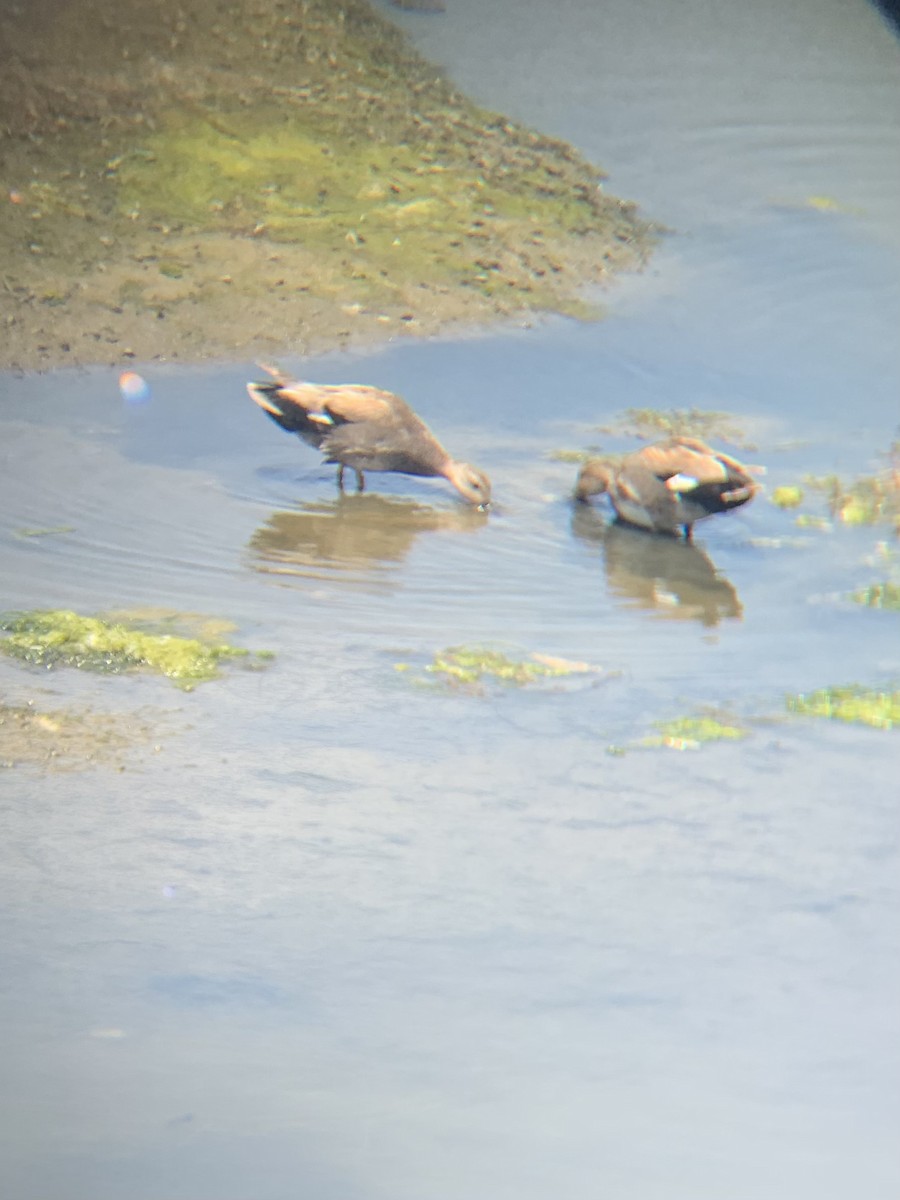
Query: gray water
point(332, 936)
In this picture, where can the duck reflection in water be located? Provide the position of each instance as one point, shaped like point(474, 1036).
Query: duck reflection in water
point(351, 533)
point(671, 577)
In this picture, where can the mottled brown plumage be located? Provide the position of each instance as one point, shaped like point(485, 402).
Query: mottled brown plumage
point(366, 429)
point(669, 486)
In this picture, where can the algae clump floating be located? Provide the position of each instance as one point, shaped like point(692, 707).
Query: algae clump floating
point(690, 733)
point(59, 637)
point(787, 496)
point(578, 457)
point(855, 704)
point(473, 666)
point(868, 500)
point(883, 593)
point(879, 595)
point(651, 423)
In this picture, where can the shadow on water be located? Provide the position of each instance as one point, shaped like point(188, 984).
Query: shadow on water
point(362, 535)
point(668, 576)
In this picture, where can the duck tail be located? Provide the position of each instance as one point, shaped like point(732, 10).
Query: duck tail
point(271, 400)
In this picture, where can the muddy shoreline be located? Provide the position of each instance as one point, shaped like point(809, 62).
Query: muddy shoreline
point(205, 181)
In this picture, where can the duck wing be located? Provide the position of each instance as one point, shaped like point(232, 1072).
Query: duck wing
point(329, 404)
point(313, 410)
point(357, 404)
point(405, 446)
point(353, 424)
point(686, 459)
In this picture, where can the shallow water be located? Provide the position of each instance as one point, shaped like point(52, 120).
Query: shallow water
point(334, 935)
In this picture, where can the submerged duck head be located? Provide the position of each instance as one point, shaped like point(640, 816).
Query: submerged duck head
point(473, 485)
point(594, 478)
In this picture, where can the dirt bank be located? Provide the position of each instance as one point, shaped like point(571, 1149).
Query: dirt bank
point(183, 181)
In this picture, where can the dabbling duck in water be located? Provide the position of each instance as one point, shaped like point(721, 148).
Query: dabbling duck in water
point(366, 429)
point(669, 486)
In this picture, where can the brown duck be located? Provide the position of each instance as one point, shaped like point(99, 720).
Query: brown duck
point(669, 486)
point(366, 429)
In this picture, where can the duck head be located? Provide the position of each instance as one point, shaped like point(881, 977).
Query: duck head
point(594, 478)
point(471, 484)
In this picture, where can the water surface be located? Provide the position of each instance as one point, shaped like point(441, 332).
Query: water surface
point(333, 935)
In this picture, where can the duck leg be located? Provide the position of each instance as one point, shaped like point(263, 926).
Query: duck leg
point(360, 481)
point(340, 477)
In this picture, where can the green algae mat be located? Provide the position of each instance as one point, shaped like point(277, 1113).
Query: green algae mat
point(61, 638)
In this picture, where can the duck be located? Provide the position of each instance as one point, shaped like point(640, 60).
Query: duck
point(365, 429)
point(669, 486)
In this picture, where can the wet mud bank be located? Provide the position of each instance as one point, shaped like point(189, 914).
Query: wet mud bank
point(197, 181)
